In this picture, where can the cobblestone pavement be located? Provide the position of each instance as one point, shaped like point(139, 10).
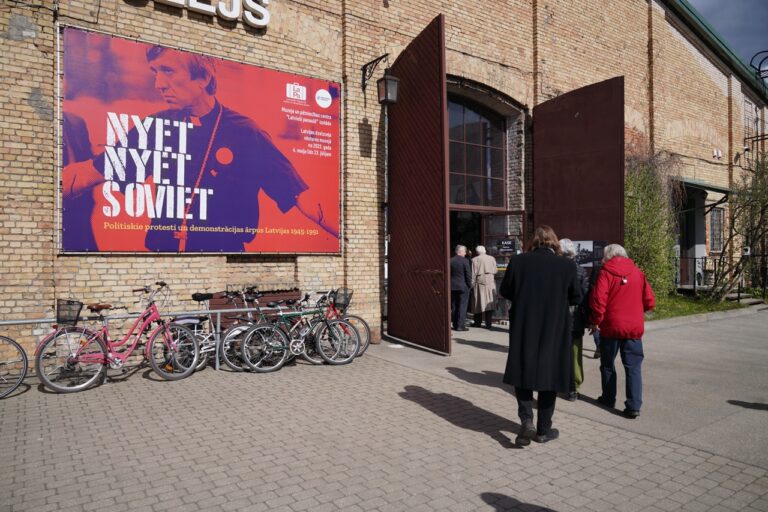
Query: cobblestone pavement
point(372, 435)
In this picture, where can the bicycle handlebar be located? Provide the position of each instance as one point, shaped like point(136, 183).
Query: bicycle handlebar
point(147, 289)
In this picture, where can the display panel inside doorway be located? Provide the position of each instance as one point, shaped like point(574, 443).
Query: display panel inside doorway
point(171, 151)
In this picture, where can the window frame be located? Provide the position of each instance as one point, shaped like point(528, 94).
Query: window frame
point(483, 148)
point(716, 236)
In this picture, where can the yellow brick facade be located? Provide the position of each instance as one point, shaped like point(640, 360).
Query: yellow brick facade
point(679, 97)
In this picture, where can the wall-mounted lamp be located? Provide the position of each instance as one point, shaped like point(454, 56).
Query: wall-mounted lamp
point(369, 67)
point(387, 87)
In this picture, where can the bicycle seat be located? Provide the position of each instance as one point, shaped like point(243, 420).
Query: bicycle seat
point(98, 307)
point(189, 319)
point(275, 304)
point(200, 297)
point(291, 302)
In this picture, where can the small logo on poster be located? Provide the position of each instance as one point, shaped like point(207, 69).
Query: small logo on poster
point(295, 91)
point(323, 98)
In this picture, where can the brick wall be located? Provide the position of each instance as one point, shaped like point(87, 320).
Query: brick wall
point(530, 51)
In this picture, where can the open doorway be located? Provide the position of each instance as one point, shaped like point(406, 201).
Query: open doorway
point(466, 229)
point(500, 232)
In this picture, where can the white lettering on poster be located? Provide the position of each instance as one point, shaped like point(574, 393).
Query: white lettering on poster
point(149, 157)
point(253, 12)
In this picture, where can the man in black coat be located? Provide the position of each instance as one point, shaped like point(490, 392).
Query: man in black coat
point(461, 283)
point(541, 285)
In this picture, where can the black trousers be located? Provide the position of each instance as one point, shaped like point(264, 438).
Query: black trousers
point(546, 408)
point(486, 316)
point(459, 303)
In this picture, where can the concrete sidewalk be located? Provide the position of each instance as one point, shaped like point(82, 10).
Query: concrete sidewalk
point(399, 429)
point(705, 382)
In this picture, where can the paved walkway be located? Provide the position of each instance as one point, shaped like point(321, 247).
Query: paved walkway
point(392, 431)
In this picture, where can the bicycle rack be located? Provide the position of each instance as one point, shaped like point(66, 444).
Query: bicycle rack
point(213, 312)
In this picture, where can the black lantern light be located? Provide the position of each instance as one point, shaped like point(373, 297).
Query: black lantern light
point(387, 87)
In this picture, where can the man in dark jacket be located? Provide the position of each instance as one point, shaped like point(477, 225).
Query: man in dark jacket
point(541, 285)
point(620, 297)
point(461, 283)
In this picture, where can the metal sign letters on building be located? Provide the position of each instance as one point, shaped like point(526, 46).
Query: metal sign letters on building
point(253, 12)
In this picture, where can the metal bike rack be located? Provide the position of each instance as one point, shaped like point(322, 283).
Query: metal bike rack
point(126, 316)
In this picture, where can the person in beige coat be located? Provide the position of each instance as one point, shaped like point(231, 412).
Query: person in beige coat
point(484, 288)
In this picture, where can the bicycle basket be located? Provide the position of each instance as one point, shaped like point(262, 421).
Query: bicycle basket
point(342, 298)
point(68, 311)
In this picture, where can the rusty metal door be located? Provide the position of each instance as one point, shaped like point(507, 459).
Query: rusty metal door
point(418, 300)
point(578, 163)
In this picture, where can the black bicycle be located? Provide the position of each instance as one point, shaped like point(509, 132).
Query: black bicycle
point(13, 366)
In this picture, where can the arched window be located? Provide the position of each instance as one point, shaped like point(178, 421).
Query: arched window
point(477, 155)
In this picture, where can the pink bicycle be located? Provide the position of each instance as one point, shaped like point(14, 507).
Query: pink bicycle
point(74, 358)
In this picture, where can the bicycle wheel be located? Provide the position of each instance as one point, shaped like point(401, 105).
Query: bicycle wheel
point(310, 347)
point(265, 348)
point(13, 366)
point(71, 360)
point(202, 360)
point(173, 351)
point(363, 330)
point(337, 342)
point(231, 346)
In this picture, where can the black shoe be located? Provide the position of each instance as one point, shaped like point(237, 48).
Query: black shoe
point(527, 432)
point(572, 396)
point(631, 413)
point(549, 436)
point(462, 329)
point(605, 403)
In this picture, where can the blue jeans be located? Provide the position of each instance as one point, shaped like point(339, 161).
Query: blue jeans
point(632, 358)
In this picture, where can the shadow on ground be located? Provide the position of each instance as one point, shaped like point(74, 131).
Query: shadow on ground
point(749, 405)
point(463, 413)
point(501, 502)
point(486, 345)
point(484, 378)
point(593, 401)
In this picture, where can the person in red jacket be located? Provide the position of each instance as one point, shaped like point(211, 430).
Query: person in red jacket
point(619, 298)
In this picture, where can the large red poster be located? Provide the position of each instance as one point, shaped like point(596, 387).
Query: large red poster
point(171, 151)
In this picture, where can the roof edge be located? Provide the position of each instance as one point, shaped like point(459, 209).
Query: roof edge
point(694, 20)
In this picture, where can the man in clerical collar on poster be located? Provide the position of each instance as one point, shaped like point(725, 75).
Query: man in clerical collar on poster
point(218, 159)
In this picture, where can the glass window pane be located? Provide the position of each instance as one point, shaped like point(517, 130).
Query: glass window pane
point(494, 166)
point(457, 190)
point(495, 195)
point(496, 225)
point(455, 121)
point(474, 159)
point(456, 163)
point(474, 190)
point(474, 128)
point(496, 136)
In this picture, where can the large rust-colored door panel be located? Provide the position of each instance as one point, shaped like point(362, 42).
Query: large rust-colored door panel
point(418, 302)
point(578, 163)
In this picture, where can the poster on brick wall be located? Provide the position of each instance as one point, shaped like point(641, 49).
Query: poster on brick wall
point(171, 151)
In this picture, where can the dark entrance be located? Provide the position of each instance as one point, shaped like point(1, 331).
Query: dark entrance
point(466, 229)
point(500, 232)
